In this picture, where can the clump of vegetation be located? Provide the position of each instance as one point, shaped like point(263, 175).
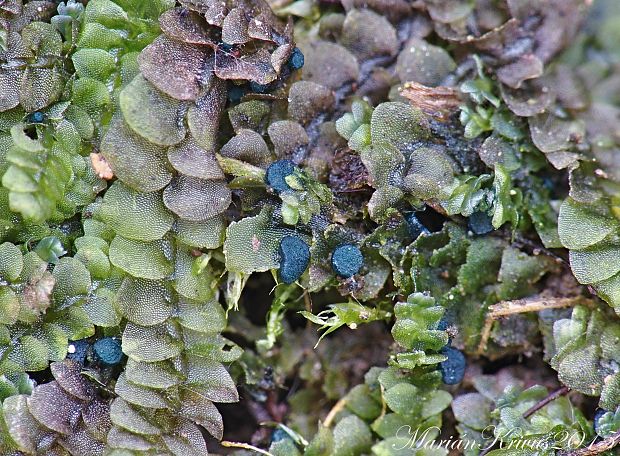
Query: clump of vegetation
point(303, 227)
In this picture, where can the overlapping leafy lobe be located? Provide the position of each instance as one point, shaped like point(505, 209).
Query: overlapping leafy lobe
point(132, 262)
point(408, 401)
point(486, 417)
point(585, 355)
point(159, 111)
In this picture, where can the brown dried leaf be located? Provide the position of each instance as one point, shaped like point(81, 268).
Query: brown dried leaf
point(557, 22)
point(11, 6)
point(287, 137)
point(81, 442)
point(34, 11)
point(96, 416)
point(394, 10)
point(261, 27)
point(423, 62)
point(215, 14)
point(36, 295)
point(448, 11)
point(437, 101)
point(280, 56)
point(367, 34)
point(551, 134)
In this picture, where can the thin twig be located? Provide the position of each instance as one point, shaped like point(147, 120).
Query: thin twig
point(536, 304)
point(595, 448)
point(338, 406)
point(524, 242)
point(550, 398)
point(245, 446)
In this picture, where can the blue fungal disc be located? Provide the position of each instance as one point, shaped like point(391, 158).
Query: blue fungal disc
point(598, 413)
point(453, 368)
point(279, 434)
point(235, 93)
point(414, 226)
point(108, 350)
point(443, 324)
point(294, 258)
point(226, 47)
point(259, 88)
point(76, 350)
point(36, 117)
point(296, 60)
point(347, 260)
point(276, 175)
point(480, 223)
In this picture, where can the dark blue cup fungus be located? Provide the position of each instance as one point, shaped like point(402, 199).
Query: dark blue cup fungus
point(294, 258)
point(226, 47)
point(278, 435)
point(443, 325)
point(259, 88)
point(414, 226)
point(77, 350)
point(296, 60)
point(36, 117)
point(598, 413)
point(235, 93)
point(275, 176)
point(453, 368)
point(480, 223)
point(347, 260)
point(108, 351)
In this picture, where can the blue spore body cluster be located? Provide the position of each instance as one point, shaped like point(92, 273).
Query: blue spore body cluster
point(279, 434)
point(36, 117)
point(347, 259)
point(480, 223)
point(443, 324)
point(235, 93)
point(294, 258)
point(414, 226)
point(296, 60)
point(598, 413)
point(453, 368)
point(108, 351)
point(226, 47)
point(259, 88)
point(275, 176)
point(78, 351)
